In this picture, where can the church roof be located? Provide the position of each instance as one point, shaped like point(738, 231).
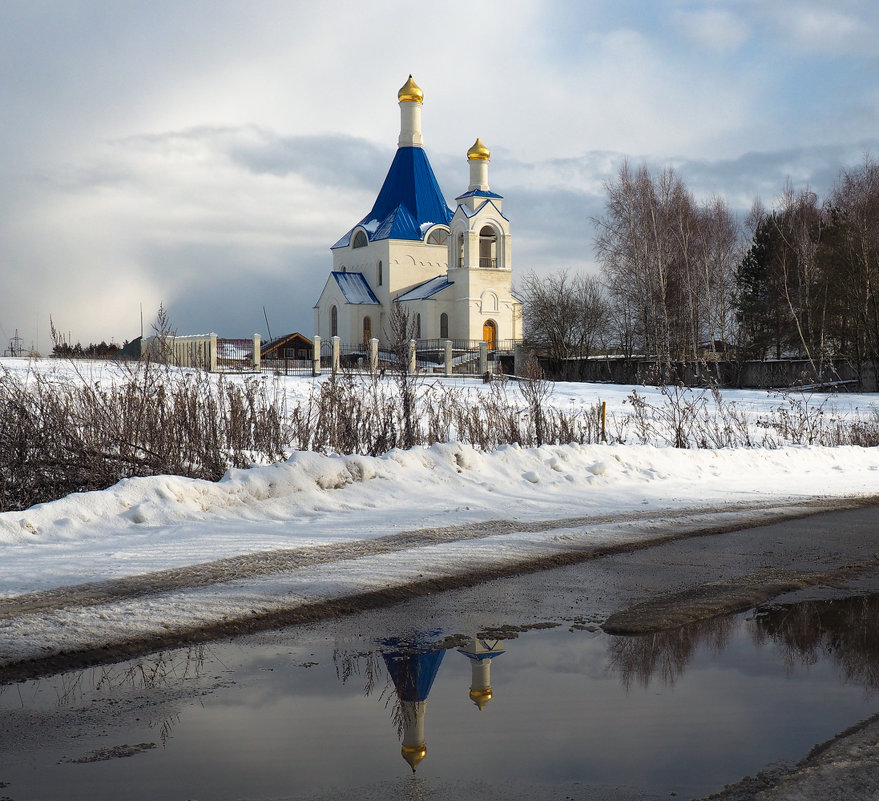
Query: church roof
point(409, 202)
point(427, 289)
point(468, 212)
point(479, 193)
point(354, 288)
point(413, 673)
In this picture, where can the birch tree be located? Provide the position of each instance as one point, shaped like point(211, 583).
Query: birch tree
point(667, 262)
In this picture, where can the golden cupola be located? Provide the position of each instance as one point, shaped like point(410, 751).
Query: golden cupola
point(478, 151)
point(413, 754)
point(481, 697)
point(410, 92)
point(478, 157)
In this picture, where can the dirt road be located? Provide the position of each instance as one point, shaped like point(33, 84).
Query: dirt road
point(636, 532)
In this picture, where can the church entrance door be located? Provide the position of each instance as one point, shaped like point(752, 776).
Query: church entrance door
point(489, 334)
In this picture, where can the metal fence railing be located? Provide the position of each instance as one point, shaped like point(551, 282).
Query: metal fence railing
point(431, 357)
point(500, 345)
point(235, 355)
point(286, 366)
point(465, 357)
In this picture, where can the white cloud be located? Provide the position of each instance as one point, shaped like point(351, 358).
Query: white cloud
point(811, 28)
point(823, 30)
point(715, 29)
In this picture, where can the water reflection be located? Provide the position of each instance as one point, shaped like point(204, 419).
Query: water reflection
point(412, 665)
point(844, 631)
point(412, 672)
point(158, 671)
point(255, 718)
point(481, 652)
point(666, 654)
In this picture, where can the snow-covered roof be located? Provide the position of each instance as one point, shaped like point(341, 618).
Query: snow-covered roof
point(427, 289)
point(354, 288)
point(410, 197)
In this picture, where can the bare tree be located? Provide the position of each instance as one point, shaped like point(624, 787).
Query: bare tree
point(718, 253)
point(667, 263)
point(854, 219)
point(799, 224)
point(567, 314)
point(637, 245)
point(164, 335)
point(399, 330)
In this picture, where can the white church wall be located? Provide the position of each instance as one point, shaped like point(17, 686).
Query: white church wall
point(487, 295)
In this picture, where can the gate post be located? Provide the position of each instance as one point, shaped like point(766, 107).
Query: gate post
point(373, 356)
point(483, 358)
point(256, 351)
point(336, 359)
point(411, 366)
point(315, 357)
point(447, 356)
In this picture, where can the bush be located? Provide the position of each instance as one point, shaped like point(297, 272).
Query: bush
point(63, 436)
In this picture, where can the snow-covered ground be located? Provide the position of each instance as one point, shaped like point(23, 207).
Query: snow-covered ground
point(144, 525)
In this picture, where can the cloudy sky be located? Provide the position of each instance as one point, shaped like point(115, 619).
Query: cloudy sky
point(205, 155)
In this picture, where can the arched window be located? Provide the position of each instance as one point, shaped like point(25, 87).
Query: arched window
point(360, 240)
point(487, 247)
point(438, 236)
point(417, 326)
point(459, 256)
point(334, 321)
point(444, 326)
point(379, 274)
point(367, 329)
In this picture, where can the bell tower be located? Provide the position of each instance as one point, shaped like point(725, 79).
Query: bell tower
point(479, 232)
point(480, 259)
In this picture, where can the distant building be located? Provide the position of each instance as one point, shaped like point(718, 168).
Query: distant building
point(451, 271)
point(133, 349)
point(290, 347)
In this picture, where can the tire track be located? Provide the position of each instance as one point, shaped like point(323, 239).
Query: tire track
point(285, 560)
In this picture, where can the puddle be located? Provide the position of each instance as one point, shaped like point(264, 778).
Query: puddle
point(680, 712)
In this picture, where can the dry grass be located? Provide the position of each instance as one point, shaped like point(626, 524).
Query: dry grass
point(58, 437)
point(62, 436)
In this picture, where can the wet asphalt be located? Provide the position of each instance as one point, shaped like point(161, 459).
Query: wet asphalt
point(589, 592)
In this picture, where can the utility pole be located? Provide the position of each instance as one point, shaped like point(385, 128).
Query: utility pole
point(267, 323)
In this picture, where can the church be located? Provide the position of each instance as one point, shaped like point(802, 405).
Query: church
point(449, 271)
